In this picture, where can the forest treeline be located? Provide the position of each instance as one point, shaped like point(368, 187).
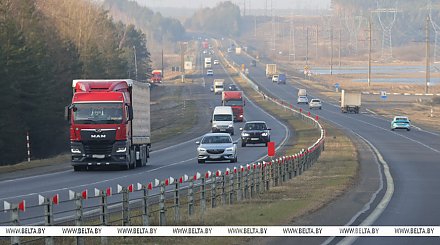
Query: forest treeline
point(44, 45)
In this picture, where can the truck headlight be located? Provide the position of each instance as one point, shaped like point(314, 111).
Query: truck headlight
point(264, 134)
point(245, 134)
point(75, 150)
point(121, 149)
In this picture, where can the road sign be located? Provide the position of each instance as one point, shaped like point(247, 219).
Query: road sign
point(336, 85)
point(383, 95)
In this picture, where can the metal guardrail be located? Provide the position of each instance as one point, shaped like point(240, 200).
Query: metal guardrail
point(169, 201)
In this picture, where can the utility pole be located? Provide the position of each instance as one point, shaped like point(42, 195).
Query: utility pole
point(317, 41)
point(331, 50)
point(182, 61)
point(427, 56)
point(163, 72)
point(135, 63)
point(369, 51)
point(307, 46)
point(339, 48)
point(255, 25)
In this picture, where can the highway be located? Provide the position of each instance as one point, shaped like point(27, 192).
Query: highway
point(412, 157)
point(174, 161)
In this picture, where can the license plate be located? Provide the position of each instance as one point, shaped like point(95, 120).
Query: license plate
point(254, 138)
point(223, 130)
point(98, 156)
point(215, 157)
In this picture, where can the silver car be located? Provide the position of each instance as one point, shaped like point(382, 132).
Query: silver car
point(315, 103)
point(216, 147)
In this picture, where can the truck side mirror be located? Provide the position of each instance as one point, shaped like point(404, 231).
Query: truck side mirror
point(130, 113)
point(244, 102)
point(67, 113)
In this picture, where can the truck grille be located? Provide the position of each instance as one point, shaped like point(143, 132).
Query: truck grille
point(98, 148)
point(215, 151)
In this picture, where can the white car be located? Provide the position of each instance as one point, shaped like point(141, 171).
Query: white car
point(216, 62)
point(302, 100)
point(275, 78)
point(315, 103)
point(210, 73)
point(216, 147)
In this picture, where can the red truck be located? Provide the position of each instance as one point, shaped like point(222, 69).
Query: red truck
point(109, 123)
point(156, 76)
point(205, 44)
point(235, 100)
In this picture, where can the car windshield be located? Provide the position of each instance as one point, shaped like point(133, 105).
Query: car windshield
point(255, 126)
point(216, 139)
point(97, 113)
point(219, 86)
point(222, 117)
point(316, 101)
point(401, 120)
point(302, 97)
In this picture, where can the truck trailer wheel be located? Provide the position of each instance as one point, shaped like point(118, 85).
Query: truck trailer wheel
point(79, 168)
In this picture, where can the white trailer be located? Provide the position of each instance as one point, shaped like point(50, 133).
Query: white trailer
point(350, 101)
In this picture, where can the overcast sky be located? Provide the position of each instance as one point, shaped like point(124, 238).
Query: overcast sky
point(254, 4)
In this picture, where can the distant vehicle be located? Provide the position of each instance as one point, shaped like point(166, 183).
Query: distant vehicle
point(282, 79)
point(271, 69)
point(216, 62)
point(255, 132)
point(275, 78)
point(237, 50)
point(223, 120)
point(302, 92)
point(212, 88)
point(401, 122)
point(205, 44)
point(205, 51)
point(229, 50)
point(315, 103)
point(208, 62)
point(253, 63)
point(232, 87)
point(302, 100)
point(235, 100)
point(209, 72)
point(350, 102)
point(156, 76)
point(219, 86)
point(216, 147)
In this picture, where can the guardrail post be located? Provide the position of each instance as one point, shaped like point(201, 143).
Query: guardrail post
point(162, 210)
point(15, 222)
point(267, 172)
point(272, 173)
point(104, 215)
point(145, 207)
point(79, 216)
point(213, 191)
point(253, 181)
point(203, 196)
point(284, 167)
point(290, 167)
point(231, 188)
point(191, 198)
point(239, 185)
point(176, 203)
point(48, 220)
point(223, 189)
point(246, 185)
point(258, 179)
point(125, 207)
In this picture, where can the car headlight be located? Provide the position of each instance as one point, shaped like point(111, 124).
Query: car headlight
point(230, 125)
point(244, 134)
point(201, 149)
point(241, 115)
point(264, 134)
point(229, 149)
point(75, 150)
point(214, 125)
point(121, 149)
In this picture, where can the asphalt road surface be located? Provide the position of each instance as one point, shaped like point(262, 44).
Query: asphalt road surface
point(413, 158)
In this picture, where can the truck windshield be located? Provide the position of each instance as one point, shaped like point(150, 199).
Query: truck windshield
point(232, 102)
point(98, 113)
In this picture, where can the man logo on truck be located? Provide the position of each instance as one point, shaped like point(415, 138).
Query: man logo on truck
point(97, 136)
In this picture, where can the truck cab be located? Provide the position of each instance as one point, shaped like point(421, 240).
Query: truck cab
point(235, 100)
point(103, 131)
point(219, 86)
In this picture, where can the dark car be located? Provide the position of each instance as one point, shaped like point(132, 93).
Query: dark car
point(253, 63)
point(232, 87)
point(255, 132)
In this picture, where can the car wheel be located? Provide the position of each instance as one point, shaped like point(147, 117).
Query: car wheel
point(243, 144)
point(201, 161)
point(265, 144)
point(232, 133)
point(392, 129)
point(320, 108)
point(408, 129)
point(234, 160)
point(79, 168)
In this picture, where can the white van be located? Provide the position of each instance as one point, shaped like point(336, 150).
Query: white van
point(219, 86)
point(223, 120)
